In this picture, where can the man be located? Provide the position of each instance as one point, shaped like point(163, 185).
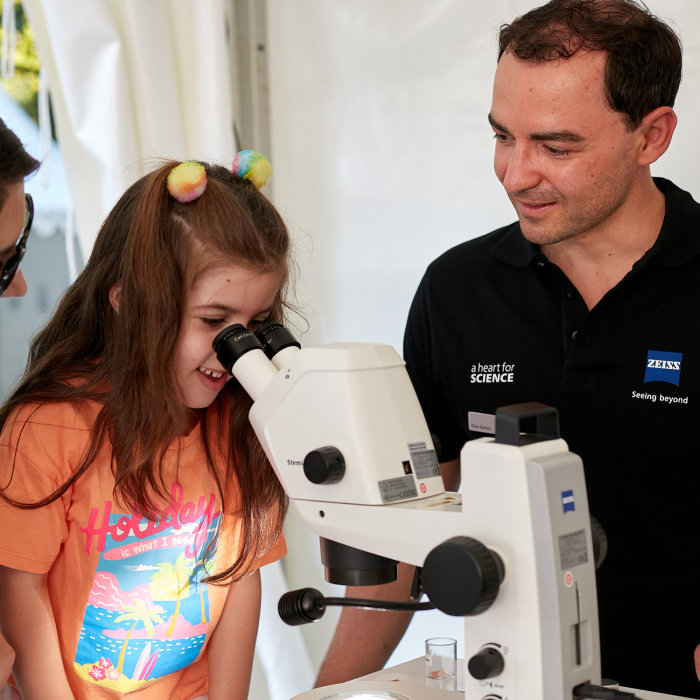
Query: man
point(15, 210)
point(590, 303)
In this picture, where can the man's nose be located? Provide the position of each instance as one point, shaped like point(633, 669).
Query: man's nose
point(520, 171)
point(18, 286)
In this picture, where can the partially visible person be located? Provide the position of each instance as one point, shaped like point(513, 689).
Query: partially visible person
point(589, 303)
point(16, 211)
point(137, 505)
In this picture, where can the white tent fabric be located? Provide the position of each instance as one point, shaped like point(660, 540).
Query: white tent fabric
point(131, 81)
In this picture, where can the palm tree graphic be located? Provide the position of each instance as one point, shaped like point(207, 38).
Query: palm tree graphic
point(173, 580)
point(202, 568)
point(138, 612)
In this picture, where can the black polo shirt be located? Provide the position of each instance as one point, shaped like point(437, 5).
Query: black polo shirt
point(494, 323)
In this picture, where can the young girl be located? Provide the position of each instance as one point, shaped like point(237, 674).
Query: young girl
point(137, 504)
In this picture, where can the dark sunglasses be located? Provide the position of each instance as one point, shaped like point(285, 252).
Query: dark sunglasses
point(11, 266)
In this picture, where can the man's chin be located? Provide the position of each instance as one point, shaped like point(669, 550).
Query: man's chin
point(538, 235)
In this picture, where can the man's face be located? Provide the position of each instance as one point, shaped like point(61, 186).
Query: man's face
point(566, 159)
point(11, 224)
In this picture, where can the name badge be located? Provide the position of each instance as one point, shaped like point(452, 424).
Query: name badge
point(482, 422)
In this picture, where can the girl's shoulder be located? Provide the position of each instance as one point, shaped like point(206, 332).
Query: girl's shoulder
point(41, 443)
point(70, 417)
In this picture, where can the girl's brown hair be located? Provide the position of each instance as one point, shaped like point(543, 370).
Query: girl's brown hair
point(154, 248)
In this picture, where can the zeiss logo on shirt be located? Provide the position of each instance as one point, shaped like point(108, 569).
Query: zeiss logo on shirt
point(567, 501)
point(663, 367)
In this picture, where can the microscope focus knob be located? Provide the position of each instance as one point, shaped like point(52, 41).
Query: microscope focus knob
point(486, 663)
point(462, 576)
point(326, 465)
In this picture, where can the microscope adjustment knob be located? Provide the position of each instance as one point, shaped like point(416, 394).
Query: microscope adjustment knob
point(326, 465)
point(462, 576)
point(486, 663)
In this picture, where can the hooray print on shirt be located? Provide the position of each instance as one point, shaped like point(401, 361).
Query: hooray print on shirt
point(148, 610)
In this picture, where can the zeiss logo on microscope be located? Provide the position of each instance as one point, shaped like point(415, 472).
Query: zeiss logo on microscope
point(567, 501)
point(663, 367)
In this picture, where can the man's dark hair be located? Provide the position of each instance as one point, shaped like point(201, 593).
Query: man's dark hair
point(15, 162)
point(644, 56)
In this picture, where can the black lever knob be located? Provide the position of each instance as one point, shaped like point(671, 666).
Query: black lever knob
point(486, 663)
point(326, 465)
point(462, 576)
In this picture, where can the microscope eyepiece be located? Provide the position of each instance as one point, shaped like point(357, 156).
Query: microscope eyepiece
point(275, 338)
point(233, 342)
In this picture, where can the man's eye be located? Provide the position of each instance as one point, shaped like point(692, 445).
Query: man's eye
point(556, 151)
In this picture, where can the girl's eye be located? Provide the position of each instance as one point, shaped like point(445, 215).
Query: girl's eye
point(212, 322)
point(257, 322)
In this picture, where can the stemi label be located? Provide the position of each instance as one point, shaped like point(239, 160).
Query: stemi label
point(660, 397)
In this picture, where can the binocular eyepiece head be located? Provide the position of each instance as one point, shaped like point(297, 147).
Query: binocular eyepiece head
point(236, 340)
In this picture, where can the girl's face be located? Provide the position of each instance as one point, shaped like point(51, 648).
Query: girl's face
point(221, 296)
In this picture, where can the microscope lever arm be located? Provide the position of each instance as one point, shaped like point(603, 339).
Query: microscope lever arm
point(308, 605)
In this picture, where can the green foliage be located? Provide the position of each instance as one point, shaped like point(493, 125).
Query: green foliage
point(24, 85)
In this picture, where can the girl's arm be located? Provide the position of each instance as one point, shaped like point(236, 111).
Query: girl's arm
point(7, 659)
point(28, 625)
point(232, 644)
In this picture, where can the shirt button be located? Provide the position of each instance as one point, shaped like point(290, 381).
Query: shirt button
point(540, 263)
point(573, 335)
point(569, 293)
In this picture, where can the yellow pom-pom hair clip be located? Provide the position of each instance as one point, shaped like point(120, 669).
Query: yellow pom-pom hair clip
point(252, 166)
point(187, 181)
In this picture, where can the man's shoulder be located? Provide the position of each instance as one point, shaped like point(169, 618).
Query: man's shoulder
point(472, 254)
point(678, 242)
point(681, 207)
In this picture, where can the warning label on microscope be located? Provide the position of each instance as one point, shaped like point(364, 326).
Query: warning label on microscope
point(397, 489)
point(424, 459)
point(572, 549)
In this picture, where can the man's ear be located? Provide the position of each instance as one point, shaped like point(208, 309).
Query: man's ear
point(656, 130)
point(115, 294)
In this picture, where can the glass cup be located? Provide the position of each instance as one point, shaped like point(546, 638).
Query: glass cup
point(441, 658)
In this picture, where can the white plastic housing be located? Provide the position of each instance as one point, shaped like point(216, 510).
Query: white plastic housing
point(358, 398)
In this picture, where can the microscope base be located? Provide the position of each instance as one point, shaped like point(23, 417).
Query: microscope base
point(408, 679)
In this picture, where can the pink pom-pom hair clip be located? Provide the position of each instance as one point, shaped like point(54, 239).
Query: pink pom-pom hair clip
point(187, 181)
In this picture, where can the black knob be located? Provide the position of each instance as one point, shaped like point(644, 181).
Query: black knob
point(326, 465)
point(462, 576)
point(302, 606)
point(487, 663)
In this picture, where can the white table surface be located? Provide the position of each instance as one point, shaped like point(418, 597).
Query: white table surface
point(409, 679)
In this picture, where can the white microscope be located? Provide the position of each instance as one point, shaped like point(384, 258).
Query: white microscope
point(513, 554)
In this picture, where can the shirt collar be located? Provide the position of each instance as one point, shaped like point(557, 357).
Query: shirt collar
point(678, 241)
point(513, 249)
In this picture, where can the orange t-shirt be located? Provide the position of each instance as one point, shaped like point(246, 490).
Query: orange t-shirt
point(131, 609)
